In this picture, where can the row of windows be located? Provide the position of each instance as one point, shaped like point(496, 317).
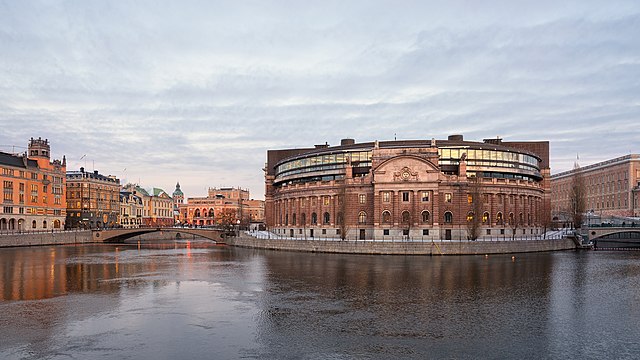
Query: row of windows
point(27, 175)
point(488, 155)
point(339, 158)
point(10, 224)
point(406, 218)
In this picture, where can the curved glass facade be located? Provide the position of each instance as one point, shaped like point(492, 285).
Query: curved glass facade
point(330, 165)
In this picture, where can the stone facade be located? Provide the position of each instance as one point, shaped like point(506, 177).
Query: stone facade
point(612, 188)
point(93, 200)
point(33, 189)
point(207, 211)
point(414, 189)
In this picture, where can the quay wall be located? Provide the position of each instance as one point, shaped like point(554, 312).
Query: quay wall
point(46, 238)
point(404, 248)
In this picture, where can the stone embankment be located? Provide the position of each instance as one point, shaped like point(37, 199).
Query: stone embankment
point(406, 247)
point(45, 238)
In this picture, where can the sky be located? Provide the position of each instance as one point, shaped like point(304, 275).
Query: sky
point(157, 92)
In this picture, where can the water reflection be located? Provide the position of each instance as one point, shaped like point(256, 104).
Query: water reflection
point(192, 299)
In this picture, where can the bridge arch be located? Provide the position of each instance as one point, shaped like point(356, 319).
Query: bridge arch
point(121, 235)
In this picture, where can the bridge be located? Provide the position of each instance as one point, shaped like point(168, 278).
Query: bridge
point(616, 236)
point(121, 235)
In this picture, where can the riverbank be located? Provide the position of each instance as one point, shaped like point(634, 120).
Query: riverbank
point(404, 247)
point(46, 238)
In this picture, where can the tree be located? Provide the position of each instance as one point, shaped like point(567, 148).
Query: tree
point(545, 216)
point(474, 217)
point(577, 197)
point(342, 209)
point(226, 218)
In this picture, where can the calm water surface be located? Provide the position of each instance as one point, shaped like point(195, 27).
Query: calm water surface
point(193, 300)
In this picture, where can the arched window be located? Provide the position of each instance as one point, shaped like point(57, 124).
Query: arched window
point(406, 217)
point(425, 216)
point(448, 217)
point(44, 224)
point(33, 224)
point(386, 217)
point(470, 216)
point(499, 219)
point(196, 213)
point(485, 218)
point(56, 224)
point(339, 218)
point(303, 219)
point(293, 220)
point(286, 219)
point(211, 214)
point(362, 217)
point(325, 218)
point(511, 219)
point(521, 216)
point(314, 219)
point(3, 224)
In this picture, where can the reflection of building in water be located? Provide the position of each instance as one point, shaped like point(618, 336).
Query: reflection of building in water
point(420, 189)
point(32, 189)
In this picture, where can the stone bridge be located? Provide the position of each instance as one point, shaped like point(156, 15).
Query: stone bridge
point(615, 236)
point(120, 235)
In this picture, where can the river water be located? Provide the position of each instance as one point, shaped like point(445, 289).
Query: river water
point(194, 300)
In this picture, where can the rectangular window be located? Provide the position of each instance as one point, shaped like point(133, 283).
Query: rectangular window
point(405, 196)
point(385, 232)
point(8, 210)
point(425, 232)
point(324, 231)
point(425, 196)
point(469, 198)
point(326, 200)
point(386, 196)
point(488, 231)
point(362, 198)
point(448, 197)
point(34, 176)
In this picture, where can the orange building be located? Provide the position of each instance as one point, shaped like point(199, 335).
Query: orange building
point(206, 211)
point(33, 189)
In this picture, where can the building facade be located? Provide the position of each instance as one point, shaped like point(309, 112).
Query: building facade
point(33, 189)
point(178, 201)
point(157, 205)
point(93, 200)
point(611, 188)
point(219, 205)
point(437, 189)
point(131, 209)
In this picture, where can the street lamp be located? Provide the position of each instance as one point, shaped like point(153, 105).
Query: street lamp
point(238, 227)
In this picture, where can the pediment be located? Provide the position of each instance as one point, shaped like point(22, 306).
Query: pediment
point(406, 168)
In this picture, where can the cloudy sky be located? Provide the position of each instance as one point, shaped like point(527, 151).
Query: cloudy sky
point(197, 91)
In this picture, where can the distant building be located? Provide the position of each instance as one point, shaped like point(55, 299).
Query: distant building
point(93, 200)
point(33, 189)
point(131, 209)
point(157, 205)
point(206, 211)
point(612, 188)
point(178, 200)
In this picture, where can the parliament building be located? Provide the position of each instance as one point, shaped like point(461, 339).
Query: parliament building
point(411, 189)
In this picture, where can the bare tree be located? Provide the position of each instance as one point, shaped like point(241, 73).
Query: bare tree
point(474, 219)
point(577, 197)
point(342, 209)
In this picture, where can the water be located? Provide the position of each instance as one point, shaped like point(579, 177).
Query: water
point(192, 300)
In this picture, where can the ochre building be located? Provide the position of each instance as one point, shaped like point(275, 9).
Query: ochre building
point(418, 189)
point(219, 203)
point(33, 189)
point(612, 188)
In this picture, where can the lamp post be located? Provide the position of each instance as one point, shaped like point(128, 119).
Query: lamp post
point(238, 227)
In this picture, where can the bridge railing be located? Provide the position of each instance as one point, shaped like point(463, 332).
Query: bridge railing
point(557, 235)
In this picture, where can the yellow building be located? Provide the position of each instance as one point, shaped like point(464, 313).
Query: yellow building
point(93, 200)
